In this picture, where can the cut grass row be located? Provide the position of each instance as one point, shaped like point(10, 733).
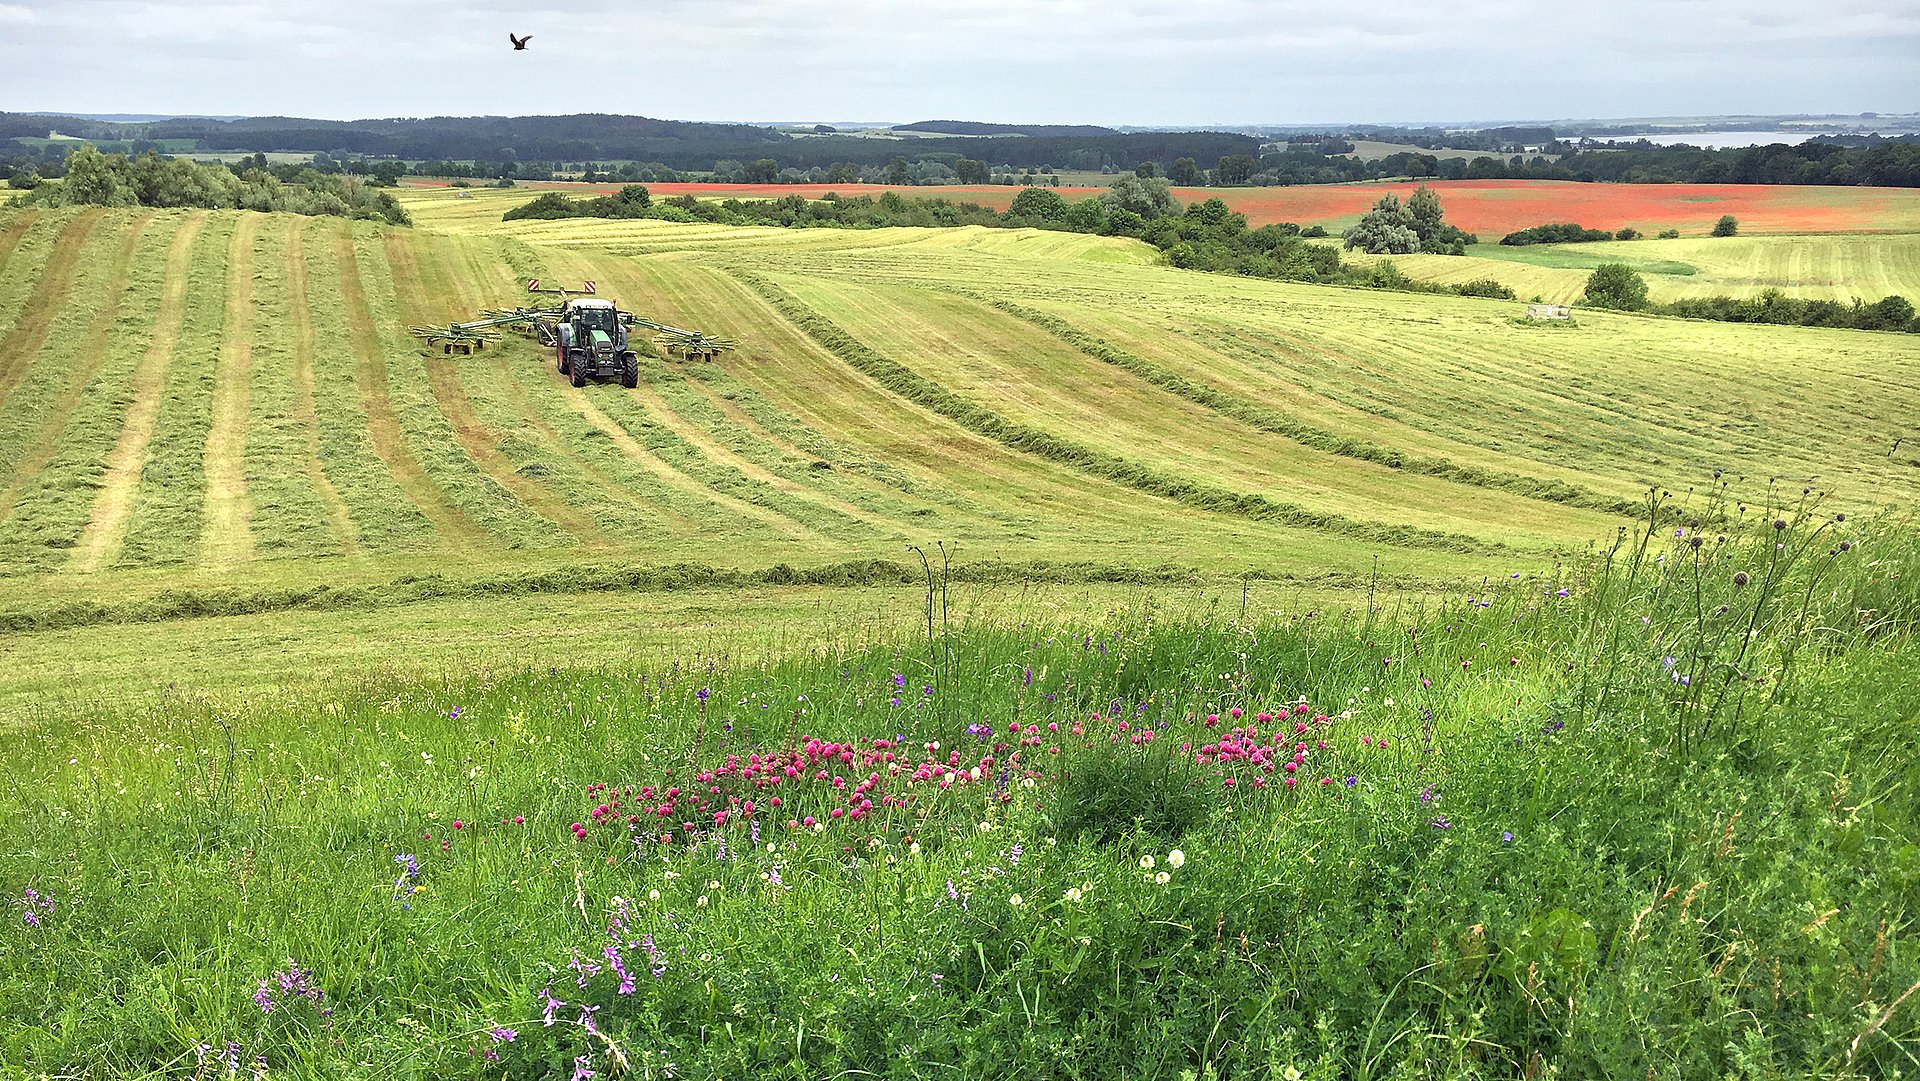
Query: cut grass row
point(62, 412)
point(902, 380)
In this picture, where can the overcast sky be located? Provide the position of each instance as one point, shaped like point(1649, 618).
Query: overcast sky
point(1062, 61)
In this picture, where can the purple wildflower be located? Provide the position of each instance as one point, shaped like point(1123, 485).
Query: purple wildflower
point(580, 1071)
point(546, 1015)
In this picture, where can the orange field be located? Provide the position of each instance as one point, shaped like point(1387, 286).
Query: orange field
point(1490, 208)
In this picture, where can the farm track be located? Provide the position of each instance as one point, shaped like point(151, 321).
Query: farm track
point(451, 524)
point(479, 440)
point(346, 534)
point(93, 355)
point(50, 296)
point(227, 534)
point(107, 526)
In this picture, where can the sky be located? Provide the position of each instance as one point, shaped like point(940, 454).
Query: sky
point(1143, 62)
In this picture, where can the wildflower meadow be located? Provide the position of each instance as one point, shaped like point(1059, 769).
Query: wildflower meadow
point(1654, 814)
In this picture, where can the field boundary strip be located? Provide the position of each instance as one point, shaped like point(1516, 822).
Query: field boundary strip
point(451, 523)
point(49, 298)
point(93, 356)
point(594, 578)
point(1307, 435)
point(226, 518)
point(915, 388)
point(113, 502)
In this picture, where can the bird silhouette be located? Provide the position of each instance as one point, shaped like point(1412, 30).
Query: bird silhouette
point(519, 43)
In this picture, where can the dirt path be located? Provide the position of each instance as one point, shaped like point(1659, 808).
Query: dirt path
point(226, 535)
point(475, 436)
point(93, 356)
point(112, 507)
point(452, 524)
point(50, 297)
point(344, 531)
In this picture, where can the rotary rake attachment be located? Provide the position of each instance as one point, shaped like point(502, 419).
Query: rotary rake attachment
point(461, 338)
point(687, 343)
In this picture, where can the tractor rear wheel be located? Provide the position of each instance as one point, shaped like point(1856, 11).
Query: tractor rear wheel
point(560, 352)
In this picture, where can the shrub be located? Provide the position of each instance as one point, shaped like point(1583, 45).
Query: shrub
point(1616, 285)
point(1669, 234)
point(1627, 232)
point(1484, 287)
point(1728, 225)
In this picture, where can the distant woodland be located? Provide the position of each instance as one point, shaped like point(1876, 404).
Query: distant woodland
point(631, 148)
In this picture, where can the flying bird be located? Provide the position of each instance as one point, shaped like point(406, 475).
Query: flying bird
point(519, 43)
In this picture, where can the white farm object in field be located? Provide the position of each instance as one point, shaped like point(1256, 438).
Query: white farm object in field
point(1549, 311)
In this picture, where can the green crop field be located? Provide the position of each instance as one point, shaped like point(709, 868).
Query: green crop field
point(1303, 682)
point(1820, 267)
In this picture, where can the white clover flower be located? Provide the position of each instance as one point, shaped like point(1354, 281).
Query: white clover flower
point(1176, 859)
point(914, 848)
point(1014, 900)
point(1073, 893)
point(974, 773)
point(986, 827)
point(1146, 862)
point(653, 895)
point(701, 901)
point(713, 884)
point(1162, 878)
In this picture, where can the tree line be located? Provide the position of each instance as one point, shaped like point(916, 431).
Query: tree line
point(113, 180)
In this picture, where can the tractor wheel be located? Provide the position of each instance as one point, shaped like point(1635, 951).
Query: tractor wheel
point(560, 351)
point(630, 371)
point(577, 374)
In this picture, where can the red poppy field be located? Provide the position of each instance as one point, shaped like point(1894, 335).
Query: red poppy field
point(1487, 207)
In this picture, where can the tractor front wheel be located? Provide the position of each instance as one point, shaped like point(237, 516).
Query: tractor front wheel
point(577, 372)
point(630, 371)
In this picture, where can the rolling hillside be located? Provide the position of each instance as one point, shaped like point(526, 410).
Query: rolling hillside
point(203, 404)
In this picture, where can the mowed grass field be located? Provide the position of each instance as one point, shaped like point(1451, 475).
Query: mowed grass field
point(1490, 208)
point(222, 413)
point(1821, 267)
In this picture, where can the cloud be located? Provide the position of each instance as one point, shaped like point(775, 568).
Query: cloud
point(1111, 61)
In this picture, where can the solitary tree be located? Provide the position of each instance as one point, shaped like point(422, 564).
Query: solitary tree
point(1728, 225)
point(1185, 172)
point(1146, 197)
point(1038, 204)
point(1146, 170)
point(1387, 229)
point(1615, 285)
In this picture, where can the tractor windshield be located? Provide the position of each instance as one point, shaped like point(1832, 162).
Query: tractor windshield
point(597, 319)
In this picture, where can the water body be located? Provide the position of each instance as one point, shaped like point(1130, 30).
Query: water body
point(1720, 140)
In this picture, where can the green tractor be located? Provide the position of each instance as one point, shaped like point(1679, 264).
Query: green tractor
point(590, 342)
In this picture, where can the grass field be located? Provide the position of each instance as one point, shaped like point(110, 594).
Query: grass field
point(1490, 208)
point(222, 410)
point(1824, 267)
point(1328, 683)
